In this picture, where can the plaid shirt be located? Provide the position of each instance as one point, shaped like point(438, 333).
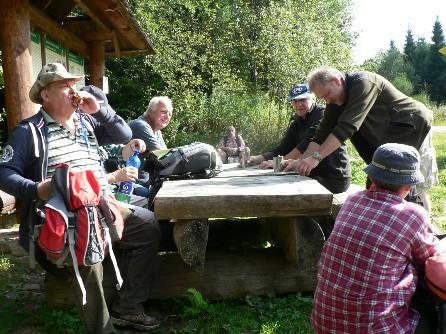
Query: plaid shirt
point(367, 274)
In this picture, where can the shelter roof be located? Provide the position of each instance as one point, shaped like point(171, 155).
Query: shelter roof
point(75, 23)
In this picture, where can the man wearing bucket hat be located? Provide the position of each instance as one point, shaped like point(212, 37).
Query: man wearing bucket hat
point(68, 129)
point(333, 173)
point(367, 273)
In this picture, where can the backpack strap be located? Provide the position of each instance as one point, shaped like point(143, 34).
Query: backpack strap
point(238, 140)
point(34, 229)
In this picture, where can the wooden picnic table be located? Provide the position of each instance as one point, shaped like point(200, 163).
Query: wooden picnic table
point(282, 203)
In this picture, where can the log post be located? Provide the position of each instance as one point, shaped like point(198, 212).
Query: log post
point(191, 239)
point(300, 238)
point(15, 41)
point(97, 63)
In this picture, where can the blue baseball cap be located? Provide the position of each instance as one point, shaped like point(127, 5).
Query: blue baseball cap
point(299, 92)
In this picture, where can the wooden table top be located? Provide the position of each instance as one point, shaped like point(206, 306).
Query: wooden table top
point(237, 192)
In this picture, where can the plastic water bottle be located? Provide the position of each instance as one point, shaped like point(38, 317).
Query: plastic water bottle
point(125, 189)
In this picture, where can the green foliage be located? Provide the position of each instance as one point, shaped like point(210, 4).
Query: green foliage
point(436, 66)
point(198, 304)
point(273, 314)
point(223, 52)
point(359, 177)
point(5, 264)
point(62, 322)
point(403, 83)
point(438, 193)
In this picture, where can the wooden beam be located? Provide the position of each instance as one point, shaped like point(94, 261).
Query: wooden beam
point(40, 20)
point(92, 14)
point(231, 274)
point(116, 44)
point(97, 63)
point(92, 36)
point(42, 46)
point(15, 41)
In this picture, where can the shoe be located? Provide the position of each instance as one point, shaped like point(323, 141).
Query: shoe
point(140, 321)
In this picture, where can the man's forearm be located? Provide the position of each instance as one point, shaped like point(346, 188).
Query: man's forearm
point(294, 154)
point(330, 145)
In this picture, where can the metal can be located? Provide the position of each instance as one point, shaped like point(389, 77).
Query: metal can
point(277, 163)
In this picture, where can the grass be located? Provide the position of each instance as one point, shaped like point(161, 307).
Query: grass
point(273, 314)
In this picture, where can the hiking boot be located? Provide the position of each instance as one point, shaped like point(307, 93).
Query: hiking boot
point(140, 321)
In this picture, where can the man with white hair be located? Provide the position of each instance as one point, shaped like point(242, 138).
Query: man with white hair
point(148, 126)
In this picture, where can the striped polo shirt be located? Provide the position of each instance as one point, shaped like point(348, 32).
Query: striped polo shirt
point(73, 149)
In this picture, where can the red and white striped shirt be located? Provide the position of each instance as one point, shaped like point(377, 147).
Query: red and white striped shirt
point(367, 273)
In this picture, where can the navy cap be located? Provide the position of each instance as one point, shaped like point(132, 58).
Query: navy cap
point(98, 94)
point(299, 92)
point(396, 164)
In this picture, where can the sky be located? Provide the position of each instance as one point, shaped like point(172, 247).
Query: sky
point(377, 22)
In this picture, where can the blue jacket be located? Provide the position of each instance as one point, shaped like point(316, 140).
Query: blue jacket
point(25, 157)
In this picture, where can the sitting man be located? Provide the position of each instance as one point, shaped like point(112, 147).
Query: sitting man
point(68, 129)
point(367, 273)
point(334, 172)
point(231, 147)
point(148, 126)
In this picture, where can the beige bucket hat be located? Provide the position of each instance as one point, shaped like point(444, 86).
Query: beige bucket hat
point(48, 74)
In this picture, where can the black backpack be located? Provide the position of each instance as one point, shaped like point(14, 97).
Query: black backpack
point(193, 161)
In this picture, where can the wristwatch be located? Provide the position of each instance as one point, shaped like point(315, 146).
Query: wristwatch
point(316, 155)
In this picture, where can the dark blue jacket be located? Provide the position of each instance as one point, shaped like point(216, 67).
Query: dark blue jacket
point(23, 164)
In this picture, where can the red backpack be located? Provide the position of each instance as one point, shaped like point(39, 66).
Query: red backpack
point(80, 222)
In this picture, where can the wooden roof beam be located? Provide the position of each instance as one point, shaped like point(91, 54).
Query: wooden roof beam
point(93, 16)
point(116, 44)
point(40, 20)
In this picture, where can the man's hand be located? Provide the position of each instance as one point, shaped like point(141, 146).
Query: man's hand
point(88, 103)
point(132, 146)
point(306, 166)
point(266, 164)
point(290, 165)
point(43, 189)
point(255, 160)
point(122, 175)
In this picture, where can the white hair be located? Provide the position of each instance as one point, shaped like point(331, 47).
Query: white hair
point(323, 75)
point(153, 104)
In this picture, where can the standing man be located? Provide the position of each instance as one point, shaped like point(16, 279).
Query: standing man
point(368, 271)
point(68, 129)
point(367, 109)
point(148, 126)
point(334, 172)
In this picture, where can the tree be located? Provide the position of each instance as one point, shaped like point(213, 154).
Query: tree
point(409, 46)
point(436, 66)
point(392, 63)
point(230, 61)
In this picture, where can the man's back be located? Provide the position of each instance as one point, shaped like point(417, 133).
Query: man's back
point(367, 276)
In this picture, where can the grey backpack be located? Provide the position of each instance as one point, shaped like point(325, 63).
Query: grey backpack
point(196, 160)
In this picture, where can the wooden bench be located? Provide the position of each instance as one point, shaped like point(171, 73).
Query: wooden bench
point(7, 209)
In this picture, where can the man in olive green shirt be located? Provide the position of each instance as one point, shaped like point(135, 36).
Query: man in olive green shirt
point(367, 109)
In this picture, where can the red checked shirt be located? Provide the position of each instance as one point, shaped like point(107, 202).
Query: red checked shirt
point(367, 274)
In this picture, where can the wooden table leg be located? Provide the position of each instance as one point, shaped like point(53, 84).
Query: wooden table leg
point(191, 238)
point(300, 238)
